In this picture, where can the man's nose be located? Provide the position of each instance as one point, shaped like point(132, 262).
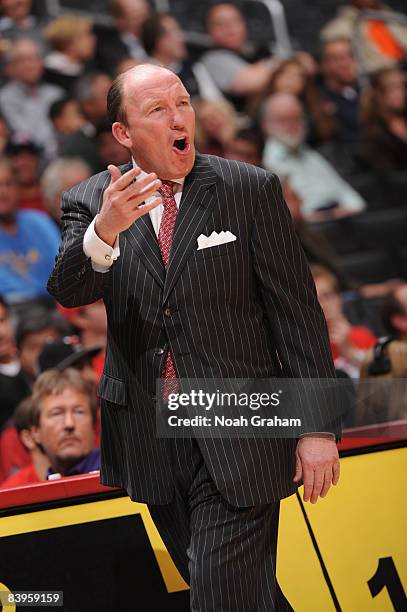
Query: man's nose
point(69, 421)
point(177, 119)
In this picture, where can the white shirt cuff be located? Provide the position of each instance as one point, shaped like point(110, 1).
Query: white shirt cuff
point(101, 254)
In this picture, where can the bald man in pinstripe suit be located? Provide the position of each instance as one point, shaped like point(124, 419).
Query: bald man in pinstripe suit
point(243, 309)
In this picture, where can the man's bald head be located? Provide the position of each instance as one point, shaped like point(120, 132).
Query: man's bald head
point(137, 76)
point(283, 118)
point(278, 102)
point(153, 118)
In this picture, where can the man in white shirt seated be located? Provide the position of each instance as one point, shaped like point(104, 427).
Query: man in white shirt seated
point(324, 193)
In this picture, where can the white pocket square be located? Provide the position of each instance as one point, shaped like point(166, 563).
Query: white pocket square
point(215, 239)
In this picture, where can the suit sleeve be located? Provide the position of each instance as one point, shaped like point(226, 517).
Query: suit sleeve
point(73, 281)
point(295, 319)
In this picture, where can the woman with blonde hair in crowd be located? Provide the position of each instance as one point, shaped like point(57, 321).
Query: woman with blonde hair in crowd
point(73, 45)
point(382, 390)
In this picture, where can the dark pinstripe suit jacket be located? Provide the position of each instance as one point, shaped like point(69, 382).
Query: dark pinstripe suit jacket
point(233, 309)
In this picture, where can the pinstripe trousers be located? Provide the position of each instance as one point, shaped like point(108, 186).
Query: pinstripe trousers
point(226, 554)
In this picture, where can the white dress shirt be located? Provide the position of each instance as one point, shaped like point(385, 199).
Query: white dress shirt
point(102, 254)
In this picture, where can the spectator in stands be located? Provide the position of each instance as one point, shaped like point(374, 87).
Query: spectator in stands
point(35, 464)
point(4, 136)
point(238, 70)
point(29, 242)
point(216, 125)
point(33, 333)
point(16, 20)
point(348, 343)
point(382, 43)
point(385, 121)
point(25, 157)
point(324, 193)
point(91, 324)
point(110, 150)
point(394, 312)
point(292, 78)
point(59, 176)
point(339, 86)
point(91, 93)
point(382, 390)
point(246, 146)
point(66, 118)
point(124, 39)
point(14, 385)
point(58, 355)
point(25, 100)
point(73, 46)
point(68, 353)
point(164, 42)
point(65, 422)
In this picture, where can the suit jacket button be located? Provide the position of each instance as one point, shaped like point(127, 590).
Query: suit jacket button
point(160, 351)
point(167, 311)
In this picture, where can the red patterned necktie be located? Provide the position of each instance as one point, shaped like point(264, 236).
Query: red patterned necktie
point(165, 235)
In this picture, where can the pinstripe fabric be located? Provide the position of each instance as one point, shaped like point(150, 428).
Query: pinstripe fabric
point(245, 309)
point(226, 554)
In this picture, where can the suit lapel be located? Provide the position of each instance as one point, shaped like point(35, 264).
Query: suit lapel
point(142, 238)
point(196, 204)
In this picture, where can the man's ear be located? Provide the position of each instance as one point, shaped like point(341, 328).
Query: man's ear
point(121, 133)
point(36, 435)
point(27, 439)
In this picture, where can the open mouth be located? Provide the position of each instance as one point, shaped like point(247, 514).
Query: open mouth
point(181, 145)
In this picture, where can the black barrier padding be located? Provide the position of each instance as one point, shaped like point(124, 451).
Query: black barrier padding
point(100, 566)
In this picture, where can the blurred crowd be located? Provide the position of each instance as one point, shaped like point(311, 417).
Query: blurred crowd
point(332, 124)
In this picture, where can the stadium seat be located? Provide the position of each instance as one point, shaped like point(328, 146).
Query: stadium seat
point(368, 267)
point(339, 234)
point(364, 311)
point(372, 190)
point(396, 186)
point(403, 262)
point(381, 229)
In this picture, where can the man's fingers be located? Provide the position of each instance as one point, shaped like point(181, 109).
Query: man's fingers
point(115, 173)
point(149, 186)
point(308, 480)
point(336, 472)
point(327, 482)
point(145, 208)
point(318, 484)
point(121, 181)
point(140, 189)
point(298, 470)
point(138, 199)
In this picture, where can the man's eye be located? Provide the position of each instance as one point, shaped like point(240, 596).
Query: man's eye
point(156, 109)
